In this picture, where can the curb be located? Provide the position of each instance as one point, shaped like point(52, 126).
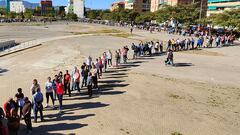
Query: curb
point(9, 53)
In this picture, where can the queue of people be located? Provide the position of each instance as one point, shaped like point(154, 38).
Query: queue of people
point(21, 107)
point(87, 76)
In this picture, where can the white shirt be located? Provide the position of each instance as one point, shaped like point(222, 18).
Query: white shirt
point(109, 55)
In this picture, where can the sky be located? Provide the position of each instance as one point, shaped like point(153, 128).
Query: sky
point(93, 4)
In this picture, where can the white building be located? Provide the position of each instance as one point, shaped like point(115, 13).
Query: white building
point(17, 6)
point(76, 7)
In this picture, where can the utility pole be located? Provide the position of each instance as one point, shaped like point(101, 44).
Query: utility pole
point(200, 14)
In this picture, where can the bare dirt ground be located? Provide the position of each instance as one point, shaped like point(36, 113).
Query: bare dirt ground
point(200, 96)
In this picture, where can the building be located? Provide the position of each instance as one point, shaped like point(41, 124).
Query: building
point(218, 6)
point(69, 8)
point(59, 10)
point(138, 5)
point(17, 6)
point(76, 7)
point(157, 4)
point(46, 7)
point(117, 6)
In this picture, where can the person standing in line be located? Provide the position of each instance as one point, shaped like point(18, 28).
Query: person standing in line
point(97, 64)
point(60, 91)
point(20, 100)
point(84, 74)
point(117, 58)
point(109, 58)
point(89, 62)
point(35, 86)
point(3, 123)
point(169, 43)
point(133, 47)
point(76, 78)
point(72, 78)
point(67, 80)
point(101, 65)
point(156, 48)
point(8, 105)
point(27, 114)
point(54, 87)
point(37, 105)
point(104, 57)
point(193, 42)
point(13, 122)
point(188, 43)
point(89, 84)
point(94, 77)
point(125, 51)
point(60, 76)
point(161, 46)
point(49, 91)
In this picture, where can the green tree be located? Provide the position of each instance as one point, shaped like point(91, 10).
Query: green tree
point(229, 18)
point(28, 14)
point(2, 11)
point(93, 14)
point(72, 16)
point(185, 14)
point(20, 15)
point(12, 15)
point(145, 17)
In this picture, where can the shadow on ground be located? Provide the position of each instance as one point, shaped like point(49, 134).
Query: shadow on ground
point(3, 71)
point(182, 64)
point(45, 129)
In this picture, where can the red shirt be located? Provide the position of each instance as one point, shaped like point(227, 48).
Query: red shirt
point(67, 77)
point(59, 89)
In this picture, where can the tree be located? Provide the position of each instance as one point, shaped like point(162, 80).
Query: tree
point(12, 15)
point(185, 14)
point(28, 14)
point(229, 18)
point(2, 11)
point(72, 16)
point(145, 17)
point(92, 14)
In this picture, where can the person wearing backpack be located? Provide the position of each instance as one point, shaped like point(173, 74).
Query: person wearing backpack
point(37, 105)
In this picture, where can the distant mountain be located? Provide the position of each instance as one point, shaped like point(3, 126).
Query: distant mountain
point(26, 4)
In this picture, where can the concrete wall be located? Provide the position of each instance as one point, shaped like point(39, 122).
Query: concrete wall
point(6, 44)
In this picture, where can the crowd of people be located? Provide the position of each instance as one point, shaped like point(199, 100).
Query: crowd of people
point(21, 107)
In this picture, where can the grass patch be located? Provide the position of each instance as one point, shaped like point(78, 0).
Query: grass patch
point(175, 96)
point(176, 133)
point(105, 31)
point(123, 35)
point(202, 52)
